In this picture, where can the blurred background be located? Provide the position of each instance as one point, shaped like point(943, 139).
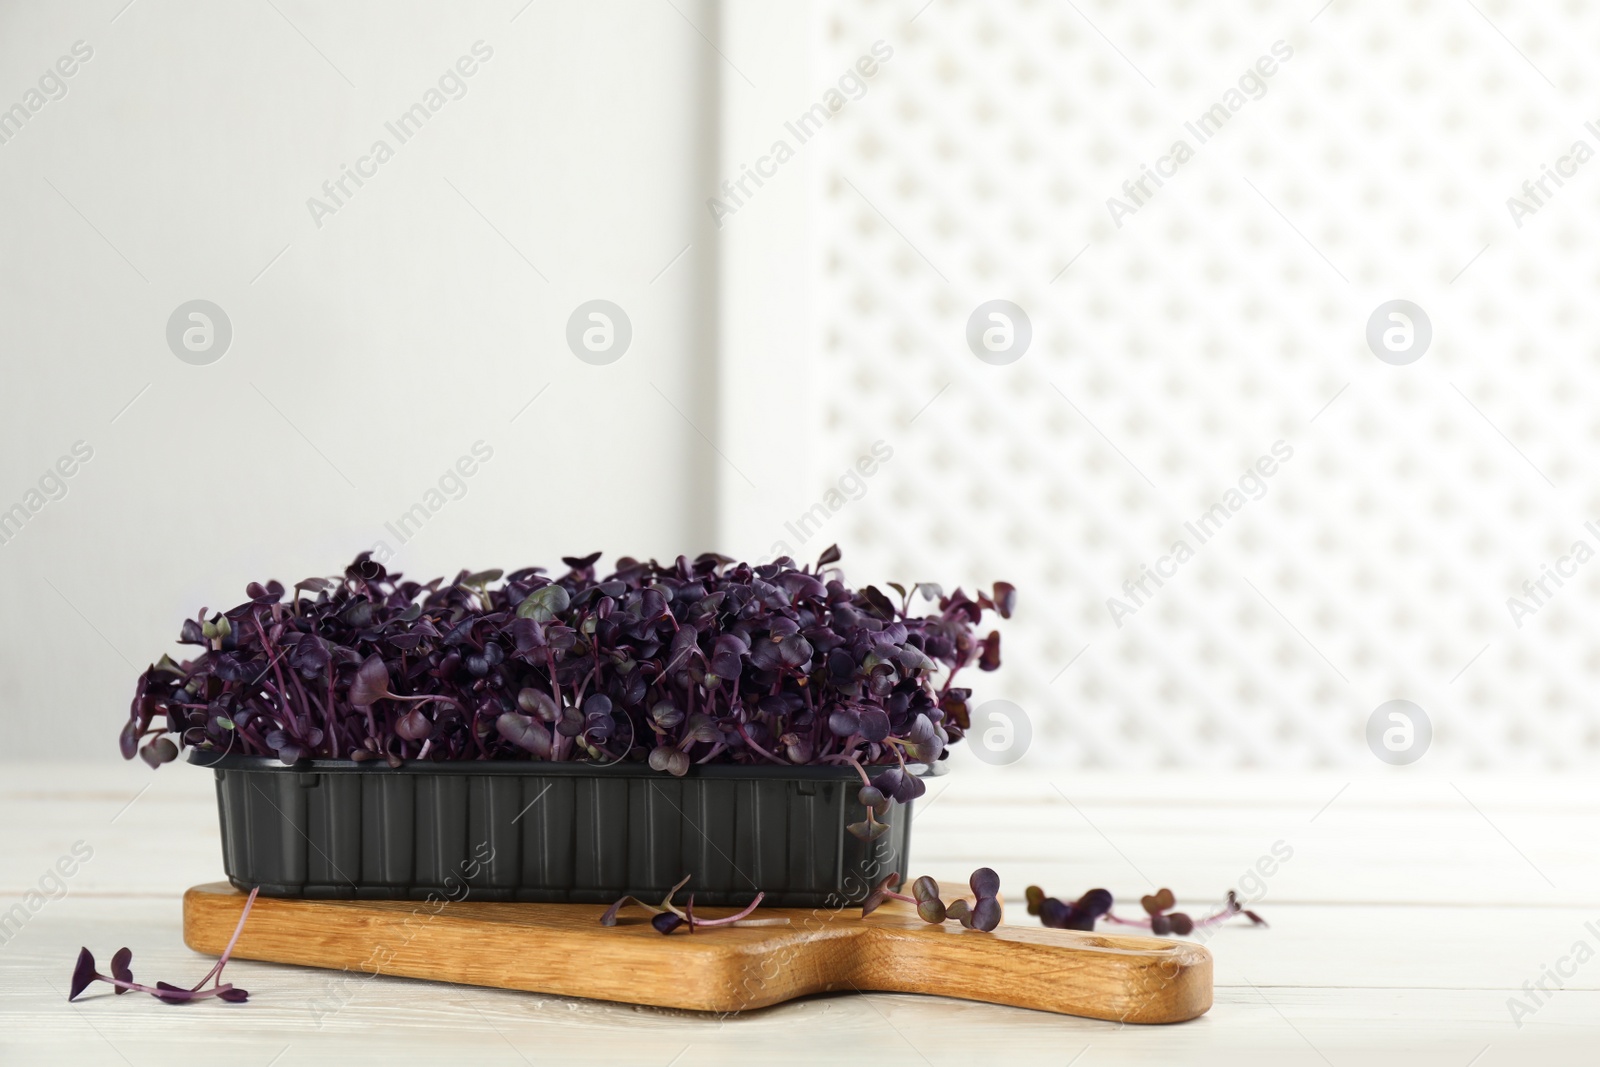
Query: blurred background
point(1103, 295)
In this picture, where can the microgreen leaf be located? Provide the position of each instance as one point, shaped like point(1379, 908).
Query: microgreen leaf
point(82, 974)
point(120, 968)
point(544, 603)
point(371, 683)
point(879, 894)
point(610, 916)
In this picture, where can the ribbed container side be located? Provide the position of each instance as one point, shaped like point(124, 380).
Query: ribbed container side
point(549, 838)
point(388, 835)
point(494, 808)
point(534, 834)
point(333, 814)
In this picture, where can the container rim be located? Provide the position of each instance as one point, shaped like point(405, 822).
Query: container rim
point(566, 768)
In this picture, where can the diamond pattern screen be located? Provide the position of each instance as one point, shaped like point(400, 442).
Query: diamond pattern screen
point(1244, 504)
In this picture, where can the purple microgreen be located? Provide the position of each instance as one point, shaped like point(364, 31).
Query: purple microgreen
point(669, 758)
point(1233, 907)
point(692, 661)
point(930, 909)
point(869, 829)
point(880, 893)
point(989, 660)
point(121, 970)
point(168, 993)
point(986, 909)
point(871, 797)
point(524, 731)
point(1078, 915)
point(371, 684)
point(159, 751)
point(736, 918)
point(1160, 919)
point(985, 914)
point(671, 918)
point(1035, 897)
point(82, 974)
point(222, 960)
point(121, 976)
point(1162, 900)
point(610, 916)
point(666, 901)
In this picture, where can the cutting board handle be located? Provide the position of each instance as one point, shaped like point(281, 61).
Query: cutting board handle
point(1102, 976)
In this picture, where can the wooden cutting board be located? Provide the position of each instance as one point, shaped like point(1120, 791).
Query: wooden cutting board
point(563, 949)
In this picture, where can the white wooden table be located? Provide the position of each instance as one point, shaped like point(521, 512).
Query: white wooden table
point(1412, 909)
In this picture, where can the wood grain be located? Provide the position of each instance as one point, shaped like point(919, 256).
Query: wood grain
point(562, 949)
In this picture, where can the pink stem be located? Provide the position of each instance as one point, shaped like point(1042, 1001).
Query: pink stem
point(447, 700)
point(193, 994)
point(558, 750)
point(237, 930)
point(860, 770)
point(752, 743)
point(1216, 917)
point(1144, 924)
point(333, 730)
point(284, 699)
point(732, 918)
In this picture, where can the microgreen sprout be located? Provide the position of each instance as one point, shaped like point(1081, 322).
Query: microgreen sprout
point(982, 912)
point(668, 917)
point(121, 976)
point(1159, 919)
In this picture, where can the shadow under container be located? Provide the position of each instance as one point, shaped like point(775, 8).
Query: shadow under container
point(550, 832)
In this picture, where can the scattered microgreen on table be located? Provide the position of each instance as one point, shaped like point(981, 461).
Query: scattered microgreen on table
point(85, 974)
point(1159, 919)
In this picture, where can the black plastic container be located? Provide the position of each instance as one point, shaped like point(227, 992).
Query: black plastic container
point(550, 832)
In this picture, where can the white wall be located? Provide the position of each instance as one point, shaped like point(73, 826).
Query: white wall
point(376, 349)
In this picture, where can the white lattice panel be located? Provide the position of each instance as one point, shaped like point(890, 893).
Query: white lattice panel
point(1227, 313)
